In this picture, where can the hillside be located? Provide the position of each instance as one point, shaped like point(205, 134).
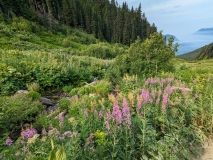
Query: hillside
point(84, 98)
point(73, 57)
point(205, 52)
point(190, 55)
point(107, 20)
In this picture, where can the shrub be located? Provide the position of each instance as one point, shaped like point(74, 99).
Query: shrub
point(67, 89)
point(148, 58)
point(103, 87)
point(73, 92)
point(64, 103)
point(17, 110)
point(33, 87)
point(34, 95)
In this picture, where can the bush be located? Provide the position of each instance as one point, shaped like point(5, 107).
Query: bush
point(73, 92)
point(64, 103)
point(103, 87)
point(67, 89)
point(147, 58)
point(34, 95)
point(17, 110)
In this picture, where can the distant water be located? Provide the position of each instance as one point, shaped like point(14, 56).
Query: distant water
point(194, 41)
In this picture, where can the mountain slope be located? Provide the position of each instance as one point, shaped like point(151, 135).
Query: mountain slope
point(205, 52)
point(105, 19)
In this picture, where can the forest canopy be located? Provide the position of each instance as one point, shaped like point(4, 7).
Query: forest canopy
point(107, 20)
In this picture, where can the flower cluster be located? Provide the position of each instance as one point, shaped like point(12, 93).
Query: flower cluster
point(28, 133)
point(9, 142)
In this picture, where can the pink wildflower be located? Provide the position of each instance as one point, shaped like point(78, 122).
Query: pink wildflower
point(100, 114)
point(165, 98)
point(126, 112)
point(116, 113)
point(157, 100)
point(9, 142)
point(28, 133)
point(145, 95)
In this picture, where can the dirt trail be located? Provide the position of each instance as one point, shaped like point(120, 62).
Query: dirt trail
point(208, 154)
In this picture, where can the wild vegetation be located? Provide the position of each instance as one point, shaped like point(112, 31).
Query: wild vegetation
point(143, 104)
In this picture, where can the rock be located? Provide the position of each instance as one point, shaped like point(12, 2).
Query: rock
point(53, 108)
point(21, 92)
point(46, 101)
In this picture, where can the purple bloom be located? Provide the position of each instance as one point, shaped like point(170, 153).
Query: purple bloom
point(53, 132)
point(61, 117)
point(9, 142)
point(28, 133)
point(183, 90)
point(139, 105)
point(100, 114)
point(90, 139)
point(195, 80)
point(116, 113)
point(165, 98)
point(106, 122)
point(169, 89)
point(169, 80)
point(145, 95)
point(126, 112)
point(1, 156)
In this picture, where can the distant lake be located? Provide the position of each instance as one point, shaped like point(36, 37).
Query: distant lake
point(194, 41)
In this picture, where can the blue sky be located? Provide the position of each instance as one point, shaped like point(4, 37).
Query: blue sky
point(176, 17)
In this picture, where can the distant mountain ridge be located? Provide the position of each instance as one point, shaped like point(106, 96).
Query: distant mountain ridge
point(205, 29)
point(205, 52)
point(169, 35)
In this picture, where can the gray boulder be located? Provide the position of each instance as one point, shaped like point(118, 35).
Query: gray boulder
point(46, 101)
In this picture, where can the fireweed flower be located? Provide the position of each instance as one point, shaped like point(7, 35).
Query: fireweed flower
point(53, 132)
point(9, 142)
point(145, 95)
point(28, 133)
point(169, 80)
point(168, 89)
point(116, 114)
point(165, 98)
point(106, 122)
point(61, 117)
point(139, 105)
point(90, 139)
point(126, 112)
point(100, 114)
point(1, 156)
